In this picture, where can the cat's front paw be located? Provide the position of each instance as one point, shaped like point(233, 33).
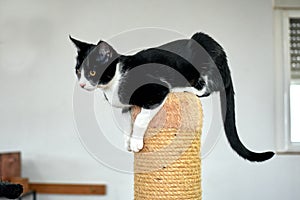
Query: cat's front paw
point(127, 142)
point(136, 144)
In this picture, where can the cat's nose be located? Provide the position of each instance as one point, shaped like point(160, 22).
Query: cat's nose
point(82, 85)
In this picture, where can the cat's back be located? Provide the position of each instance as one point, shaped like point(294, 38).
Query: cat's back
point(191, 50)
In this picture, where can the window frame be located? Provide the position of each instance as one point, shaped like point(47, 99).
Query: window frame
point(283, 80)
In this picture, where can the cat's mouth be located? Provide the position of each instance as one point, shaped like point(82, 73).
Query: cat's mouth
point(90, 88)
point(87, 87)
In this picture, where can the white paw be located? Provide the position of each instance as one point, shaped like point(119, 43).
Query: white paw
point(127, 142)
point(136, 144)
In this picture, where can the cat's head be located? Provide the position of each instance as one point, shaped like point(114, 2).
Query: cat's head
point(95, 65)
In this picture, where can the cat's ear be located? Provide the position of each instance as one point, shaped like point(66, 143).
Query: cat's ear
point(81, 46)
point(105, 52)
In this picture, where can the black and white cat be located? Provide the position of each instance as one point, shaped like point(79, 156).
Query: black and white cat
point(197, 65)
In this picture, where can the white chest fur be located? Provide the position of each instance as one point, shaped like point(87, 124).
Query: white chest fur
point(112, 88)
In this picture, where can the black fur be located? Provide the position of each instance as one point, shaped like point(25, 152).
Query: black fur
point(149, 75)
point(10, 190)
point(227, 99)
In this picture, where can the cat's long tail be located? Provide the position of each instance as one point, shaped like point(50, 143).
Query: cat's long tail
point(227, 105)
point(218, 55)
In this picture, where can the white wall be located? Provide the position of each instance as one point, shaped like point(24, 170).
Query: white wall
point(37, 82)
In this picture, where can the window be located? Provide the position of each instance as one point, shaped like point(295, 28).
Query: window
point(287, 55)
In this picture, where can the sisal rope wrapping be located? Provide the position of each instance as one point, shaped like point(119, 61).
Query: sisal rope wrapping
point(168, 167)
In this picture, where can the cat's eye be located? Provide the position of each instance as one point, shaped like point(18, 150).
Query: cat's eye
point(78, 71)
point(92, 73)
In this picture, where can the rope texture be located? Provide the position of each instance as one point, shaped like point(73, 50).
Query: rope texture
point(169, 166)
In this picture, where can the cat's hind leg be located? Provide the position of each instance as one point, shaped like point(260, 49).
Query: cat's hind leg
point(201, 87)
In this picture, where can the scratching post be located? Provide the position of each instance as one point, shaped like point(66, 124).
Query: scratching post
point(168, 167)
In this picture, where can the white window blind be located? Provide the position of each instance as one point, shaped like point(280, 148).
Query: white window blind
point(294, 26)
